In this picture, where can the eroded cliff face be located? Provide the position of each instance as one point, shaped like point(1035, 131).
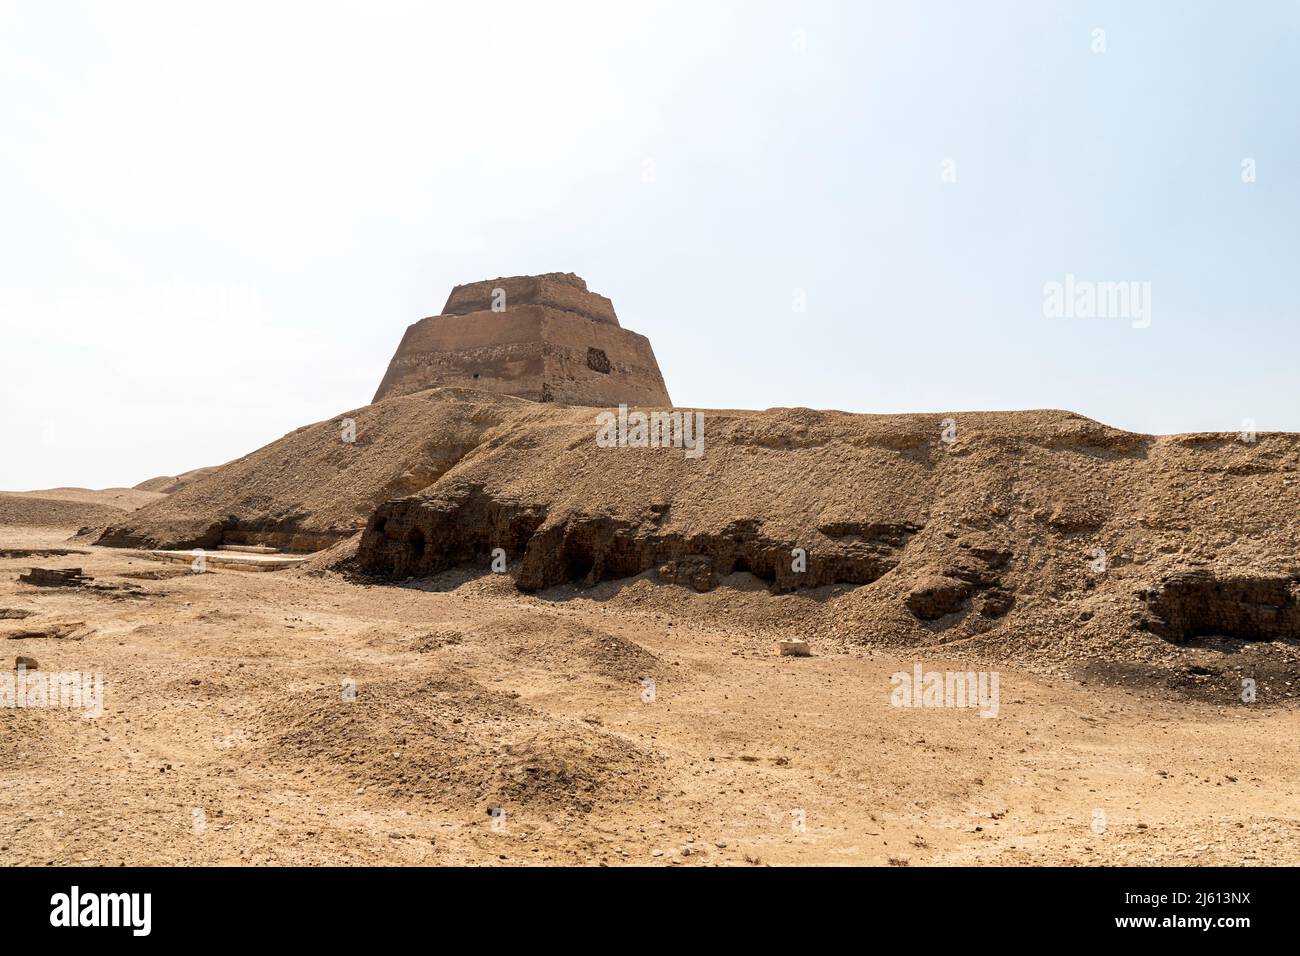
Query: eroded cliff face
point(426, 535)
point(1042, 527)
point(1034, 523)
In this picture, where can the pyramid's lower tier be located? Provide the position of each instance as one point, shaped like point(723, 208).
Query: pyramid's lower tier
point(528, 351)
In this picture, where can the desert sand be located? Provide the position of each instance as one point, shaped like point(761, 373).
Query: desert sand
point(516, 630)
point(226, 704)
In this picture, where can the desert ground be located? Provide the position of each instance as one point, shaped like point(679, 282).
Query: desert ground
point(308, 716)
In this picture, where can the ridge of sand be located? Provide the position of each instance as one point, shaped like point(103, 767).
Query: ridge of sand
point(315, 487)
point(1031, 535)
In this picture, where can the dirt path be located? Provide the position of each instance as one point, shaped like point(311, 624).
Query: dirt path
point(285, 718)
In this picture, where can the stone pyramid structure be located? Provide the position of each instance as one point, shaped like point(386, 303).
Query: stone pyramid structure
point(546, 338)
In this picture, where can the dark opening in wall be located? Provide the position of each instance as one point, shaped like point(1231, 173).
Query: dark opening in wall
point(598, 361)
point(415, 541)
point(578, 562)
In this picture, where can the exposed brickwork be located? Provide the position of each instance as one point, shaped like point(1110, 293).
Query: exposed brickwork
point(1201, 603)
point(418, 536)
point(544, 338)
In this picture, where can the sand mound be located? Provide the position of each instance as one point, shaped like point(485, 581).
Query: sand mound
point(32, 510)
point(1038, 530)
point(1041, 531)
point(314, 487)
point(337, 557)
point(70, 507)
point(448, 740)
point(127, 499)
point(575, 648)
point(170, 484)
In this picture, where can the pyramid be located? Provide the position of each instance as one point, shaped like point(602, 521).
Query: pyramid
point(545, 338)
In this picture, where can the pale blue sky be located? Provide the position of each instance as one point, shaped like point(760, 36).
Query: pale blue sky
point(217, 219)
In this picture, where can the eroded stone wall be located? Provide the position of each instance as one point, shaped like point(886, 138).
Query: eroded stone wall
point(419, 536)
point(559, 291)
point(1250, 606)
point(534, 340)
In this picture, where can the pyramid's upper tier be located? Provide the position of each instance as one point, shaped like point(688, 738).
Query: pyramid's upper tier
point(556, 290)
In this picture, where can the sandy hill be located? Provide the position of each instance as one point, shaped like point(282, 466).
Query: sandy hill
point(126, 499)
point(313, 487)
point(70, 507)
point(1041, 528)
point(170, 484)
point(33, 511)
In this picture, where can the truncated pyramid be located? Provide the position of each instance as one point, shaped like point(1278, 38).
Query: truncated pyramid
point(545, 338)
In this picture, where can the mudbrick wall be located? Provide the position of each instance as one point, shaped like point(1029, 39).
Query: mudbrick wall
point(1201, 603)
point(419, 536)
point(1057, 524)
point(283, 533)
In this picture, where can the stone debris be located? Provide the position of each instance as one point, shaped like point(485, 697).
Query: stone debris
point(53, 630)
point(233, 560)
point(55, 578)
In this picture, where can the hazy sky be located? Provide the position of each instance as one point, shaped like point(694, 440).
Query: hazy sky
point(217, 219)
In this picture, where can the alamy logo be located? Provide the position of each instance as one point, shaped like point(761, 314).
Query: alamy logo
point(654, 430)
point(1085, 299)
point(951, 689)
point(70, 690)
point(103, 909)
